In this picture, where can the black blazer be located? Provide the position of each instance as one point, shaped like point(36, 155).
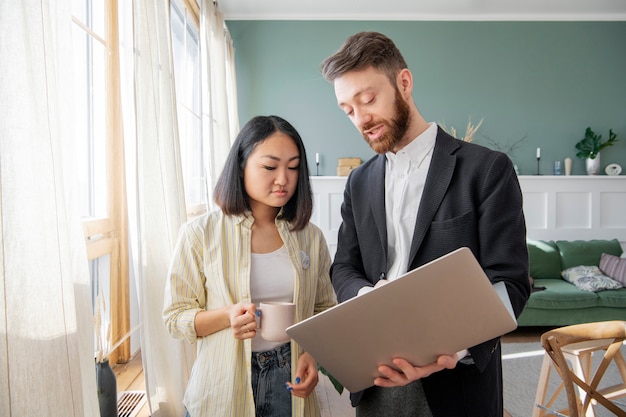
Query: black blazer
point(471, 198)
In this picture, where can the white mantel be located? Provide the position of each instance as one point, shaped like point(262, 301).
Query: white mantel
point(556, 207)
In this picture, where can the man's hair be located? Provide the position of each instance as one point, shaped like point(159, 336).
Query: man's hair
point(362, 50)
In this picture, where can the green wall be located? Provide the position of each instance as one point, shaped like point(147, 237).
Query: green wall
point(545, 81)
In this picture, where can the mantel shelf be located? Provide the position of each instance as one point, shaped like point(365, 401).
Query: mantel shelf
point(556, 207)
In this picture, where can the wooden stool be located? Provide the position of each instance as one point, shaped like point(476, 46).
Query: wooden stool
point(579, 355)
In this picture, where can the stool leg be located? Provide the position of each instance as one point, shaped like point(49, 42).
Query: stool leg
point(581, 365)
point(621, 365)
point(542, 386)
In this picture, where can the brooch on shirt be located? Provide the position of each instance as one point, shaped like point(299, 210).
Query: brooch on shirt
point(306, 261)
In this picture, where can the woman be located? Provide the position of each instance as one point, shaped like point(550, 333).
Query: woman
point(260, 246)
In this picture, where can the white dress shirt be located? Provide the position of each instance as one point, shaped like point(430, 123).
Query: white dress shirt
point(405, 176)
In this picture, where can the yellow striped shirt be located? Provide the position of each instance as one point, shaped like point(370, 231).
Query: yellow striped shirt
point(210, 268)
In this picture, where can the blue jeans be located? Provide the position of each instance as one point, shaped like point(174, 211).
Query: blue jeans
point(270, 371)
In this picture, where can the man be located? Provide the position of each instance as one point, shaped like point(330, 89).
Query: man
point(424, 195)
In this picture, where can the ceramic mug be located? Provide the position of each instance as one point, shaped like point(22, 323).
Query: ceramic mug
point(275, 317)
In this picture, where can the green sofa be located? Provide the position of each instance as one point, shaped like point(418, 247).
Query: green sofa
point(556, 302)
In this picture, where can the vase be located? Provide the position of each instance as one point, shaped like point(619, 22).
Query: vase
point(593, 165)
point(568, 166)
point(106, 384)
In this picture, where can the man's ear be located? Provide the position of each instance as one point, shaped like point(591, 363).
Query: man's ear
point(405, 82)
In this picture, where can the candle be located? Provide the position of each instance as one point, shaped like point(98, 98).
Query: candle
point(538, 153)
point(317, 158)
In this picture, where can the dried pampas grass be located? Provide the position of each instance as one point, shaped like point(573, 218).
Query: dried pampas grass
point(102, 329)
point(470, 130)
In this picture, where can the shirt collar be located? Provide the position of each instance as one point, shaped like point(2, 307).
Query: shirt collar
point(247, 219)
point(418, 147)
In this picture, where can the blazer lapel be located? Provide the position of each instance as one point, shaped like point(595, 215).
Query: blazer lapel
point(437, 182)
point(377, 199)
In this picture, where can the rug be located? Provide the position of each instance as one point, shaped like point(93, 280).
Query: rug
point(521, 364)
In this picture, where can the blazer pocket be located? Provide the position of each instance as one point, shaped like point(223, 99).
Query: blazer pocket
point(463, 220)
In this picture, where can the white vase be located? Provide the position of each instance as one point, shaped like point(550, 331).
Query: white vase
point(593, 165)
point(568, 166)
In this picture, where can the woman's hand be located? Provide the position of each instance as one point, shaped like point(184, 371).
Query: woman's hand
point(242, 320)
point(306, 377)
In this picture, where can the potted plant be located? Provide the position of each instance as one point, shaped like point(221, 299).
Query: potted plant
point(590, 146)
point(106, 381)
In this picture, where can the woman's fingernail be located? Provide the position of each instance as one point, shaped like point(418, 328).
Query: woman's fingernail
point(288, 388)
point(258, 313)
point(297, 380)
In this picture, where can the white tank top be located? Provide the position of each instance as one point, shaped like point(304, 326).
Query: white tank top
point(271, 279)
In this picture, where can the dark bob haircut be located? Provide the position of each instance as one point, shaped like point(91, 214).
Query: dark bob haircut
point(230, 194)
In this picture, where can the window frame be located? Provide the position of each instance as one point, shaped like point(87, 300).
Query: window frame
point(109, 235)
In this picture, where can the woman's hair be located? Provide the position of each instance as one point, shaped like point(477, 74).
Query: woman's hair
point(230, 193)
point(363, 50)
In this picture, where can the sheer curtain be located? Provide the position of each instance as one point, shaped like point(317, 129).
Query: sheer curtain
point(154, 175)
point(155, 192)
point(46, 331)
point(220, 123)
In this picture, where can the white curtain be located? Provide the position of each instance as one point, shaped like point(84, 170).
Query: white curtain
point(155, 183)
point(220, 123)
point(46, 328)
point(155, 192)
point(46, 331)
point(154, 175)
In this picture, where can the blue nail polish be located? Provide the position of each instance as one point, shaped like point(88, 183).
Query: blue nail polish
point(297, 380)
point(258, 313)
point(288, 388)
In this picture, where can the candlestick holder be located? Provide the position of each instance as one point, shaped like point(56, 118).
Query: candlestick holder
point(317, 169)
point(538, 159)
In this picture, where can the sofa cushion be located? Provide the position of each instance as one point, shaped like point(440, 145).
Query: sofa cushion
point(544, 259)
point(615, 298)
point(590, 278)
point(614, 267)
point(586, 252)
point(561, 295)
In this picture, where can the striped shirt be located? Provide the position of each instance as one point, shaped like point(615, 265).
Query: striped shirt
point(210, 268)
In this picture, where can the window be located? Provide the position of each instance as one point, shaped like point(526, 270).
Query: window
point(99, 133)
point(186, 52)
point(101, 146)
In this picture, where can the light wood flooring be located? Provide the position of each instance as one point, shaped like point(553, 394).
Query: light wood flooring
point(130, 378)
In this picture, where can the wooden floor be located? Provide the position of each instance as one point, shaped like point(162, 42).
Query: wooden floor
point(130, 378)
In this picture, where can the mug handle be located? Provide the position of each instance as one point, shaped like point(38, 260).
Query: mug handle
point(257, 317)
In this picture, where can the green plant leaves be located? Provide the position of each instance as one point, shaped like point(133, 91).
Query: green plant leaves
point(592, 144)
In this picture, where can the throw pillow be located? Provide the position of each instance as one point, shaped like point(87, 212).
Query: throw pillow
point(613, 267)
point(589, 278)
point(544, 259)
point(586, 252)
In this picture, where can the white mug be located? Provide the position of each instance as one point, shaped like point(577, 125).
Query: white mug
point(275, 317)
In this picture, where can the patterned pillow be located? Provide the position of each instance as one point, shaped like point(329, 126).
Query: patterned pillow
point(614, 267)
point(589, 278)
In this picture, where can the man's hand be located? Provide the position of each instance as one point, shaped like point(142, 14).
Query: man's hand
point(409, 373)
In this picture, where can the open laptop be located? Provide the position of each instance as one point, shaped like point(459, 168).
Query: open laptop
point(442, 307)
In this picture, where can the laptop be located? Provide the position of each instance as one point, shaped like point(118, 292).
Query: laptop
point(442, 307)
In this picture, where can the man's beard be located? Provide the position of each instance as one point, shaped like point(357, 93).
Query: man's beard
point(396, 128)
